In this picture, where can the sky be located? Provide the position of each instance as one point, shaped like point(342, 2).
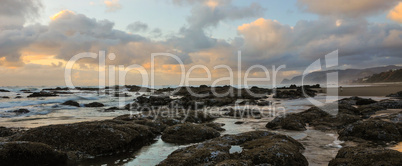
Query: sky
point(38, 38)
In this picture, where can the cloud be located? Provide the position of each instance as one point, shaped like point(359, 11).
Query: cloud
point(14, 13)
point(269, 42)
point(396, 13)
point(137, 27)
point(346, 8)
point(112, 5)
point(193, 37)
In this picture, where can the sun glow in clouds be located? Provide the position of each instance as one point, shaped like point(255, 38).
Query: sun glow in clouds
point(212, 4)
point(60, 14)
point(396, 13)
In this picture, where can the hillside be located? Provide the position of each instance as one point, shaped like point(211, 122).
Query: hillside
point(388, 76)
point(344, 76)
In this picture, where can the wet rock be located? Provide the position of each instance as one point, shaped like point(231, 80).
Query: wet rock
point(18, 97)
point(297, 121)
point(21, 111)
point(143, 120)
point(348, 109)
point(94, 104)
point(263, 103)
point(121, 95)
point(365, 101)
point(216, 126)
point(88, 139)
point(259, 147)
point(243, 113)
point(3, 90)
point(294, 94)
point(162, 119)
point(71, 103)
point(372, 130)
point(394, 118)
point(188, 133)
point(30, 153)
point(5, 132)
point(87, 89)
point(334, 122)
point(56, 89)
point(396, 95)
point(154, 100)
point(110, 109)
point(367, 110)
point(390, 104)
point(274, 150)
point(42, 94)
point(26, 91)
point(290, 122)
point(351, 100)
point(235, 163)
point(362, 156)
point(5, 97)
point(239, 122)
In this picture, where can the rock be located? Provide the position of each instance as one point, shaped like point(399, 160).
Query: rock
point(161, 120)
point(339, 121)
point(315, 116)
point(239, 122)
point(121, 95)
point(396, 95)
point(26, 91)
point(290, 122)
point(216, 126)
point(21, 111)
point(5, 132)
point(94, 104)
point(143, 120)
point(260, 147)
point(362, 101)
point(188, 133)
point(367, 110)
point(372, 130)
point(294, 94)
point(42, 94)
point(56, 89)
point(30, 153)
point(235, 162)
point(243, 113)
point(390, 104)
point(297, 121)
point(274, 150)
point(3, 90)
point(71, 103)
point(154, 100)
point(86, 139)
point(394, 118)
point(362, 156)
point(263, 103)
point(18, 97)
point(5, 97)
point(87, 89)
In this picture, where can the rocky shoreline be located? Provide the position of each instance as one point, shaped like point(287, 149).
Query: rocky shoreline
point(352, 118)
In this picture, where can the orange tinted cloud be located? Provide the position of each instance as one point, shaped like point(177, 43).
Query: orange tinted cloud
point(396, 13)
point(61, 14)
point(212, 4)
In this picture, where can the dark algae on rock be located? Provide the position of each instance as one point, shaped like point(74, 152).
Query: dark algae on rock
point(30, 153)
point(87, 139)
point(258, 148)
point(364, 156)
point(188, 133)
